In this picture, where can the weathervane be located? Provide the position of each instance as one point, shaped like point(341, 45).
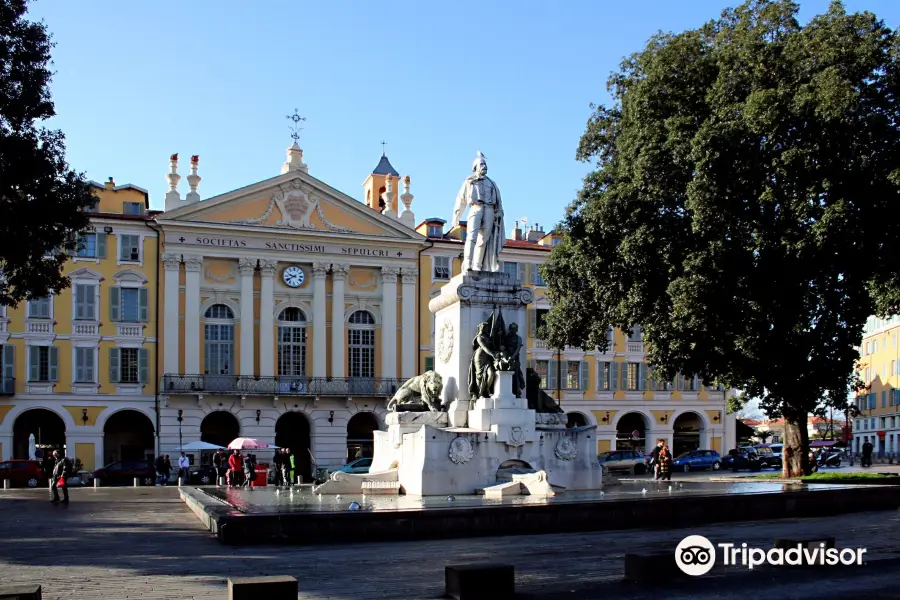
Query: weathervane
point(295, 128)
point(382, 147)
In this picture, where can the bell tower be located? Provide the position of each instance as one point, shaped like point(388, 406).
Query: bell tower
point(383, 178)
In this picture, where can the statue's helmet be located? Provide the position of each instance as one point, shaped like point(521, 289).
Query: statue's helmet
point(479, 161)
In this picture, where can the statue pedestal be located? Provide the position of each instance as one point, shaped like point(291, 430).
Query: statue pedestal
point(506, 416)
point(464, 303)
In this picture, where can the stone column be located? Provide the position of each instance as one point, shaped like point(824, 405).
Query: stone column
point(171, 348)
point(320, 345)
point(338, 360)
point(192, 333)
point(410, 347)
point(247, 267)
point(267, 366)
point(389, 322)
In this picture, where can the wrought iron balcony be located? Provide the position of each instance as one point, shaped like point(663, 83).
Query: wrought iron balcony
point(279, 386)
point(7, 386)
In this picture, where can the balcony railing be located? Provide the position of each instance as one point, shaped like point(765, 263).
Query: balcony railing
point(7, 386)
point(634, 346)
point(279, 386)
point(85, 329)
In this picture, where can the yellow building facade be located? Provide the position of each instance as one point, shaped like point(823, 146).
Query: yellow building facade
point(879, 406)
point(78, 368)
point(288, 312)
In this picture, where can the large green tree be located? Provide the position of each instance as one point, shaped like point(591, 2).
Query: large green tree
point(744, 209)
point(42, 201)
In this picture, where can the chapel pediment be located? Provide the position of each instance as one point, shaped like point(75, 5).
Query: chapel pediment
point(292, 201)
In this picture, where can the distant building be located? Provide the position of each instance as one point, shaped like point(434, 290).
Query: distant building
point(879, 368)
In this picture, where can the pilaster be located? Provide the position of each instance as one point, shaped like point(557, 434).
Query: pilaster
point(389, 321)
point(338, 359)
point(320, 345)
point(266, 318)
point(171, 346)
point(247, 267)
point(192, 267)
point(409, 346)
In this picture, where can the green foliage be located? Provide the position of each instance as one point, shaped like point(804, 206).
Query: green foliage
point(744, 208)
point(42, 201)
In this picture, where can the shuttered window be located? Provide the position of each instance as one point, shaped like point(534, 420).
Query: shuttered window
point(43, 363)
point(85, 302)
point(84, 365)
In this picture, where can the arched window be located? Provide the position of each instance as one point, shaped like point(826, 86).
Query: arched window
point(361, 344)
point(219, 338)
point(292, 343)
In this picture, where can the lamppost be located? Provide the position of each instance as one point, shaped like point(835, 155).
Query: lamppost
point(180, 419)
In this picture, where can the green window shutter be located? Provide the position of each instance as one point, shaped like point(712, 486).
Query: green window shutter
point(532, 322)
point(115, 304)
point(614, 376)
point(623, 376)
point(54, 364)
point(9, 362)
point(90, 302)
point(551, 375)
point(520, 271)
point(429, 363)
point(143, 365)
point(79, 301)
point(114, 370)
point(585, 375)
point(34, 363)
point(532, 271)
point(143, 311)
point(101, 244)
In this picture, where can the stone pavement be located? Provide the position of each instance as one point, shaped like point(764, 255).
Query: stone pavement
point(143, 543)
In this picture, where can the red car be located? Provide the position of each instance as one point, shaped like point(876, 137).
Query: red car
point(124, 472)
point(22, 473)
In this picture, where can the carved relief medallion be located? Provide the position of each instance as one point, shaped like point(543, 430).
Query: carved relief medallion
point(445, 341)
point(566, 449)
point(461, 450)
point(296, 207)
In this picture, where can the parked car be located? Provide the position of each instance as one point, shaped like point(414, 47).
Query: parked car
point(123, 472)
point(767, 457)
point(202, 475)
point(23, 473)
point(623, 461)
point(741, 459)
point(360, 465)
point(776, 450)
point(697, 460)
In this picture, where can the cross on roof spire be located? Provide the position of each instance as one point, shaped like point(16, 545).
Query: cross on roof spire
point(382, 148)
point(295, 128)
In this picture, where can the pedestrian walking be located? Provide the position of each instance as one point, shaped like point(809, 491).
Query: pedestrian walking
point(277, 462)
point(286, 466)
point(235, 468)
point(249, 470)
point(867, 450)
point(184, 464)
point(664, 461)
point(160, 467)
point(653, 463)
point(62, 470)
point(219, 462)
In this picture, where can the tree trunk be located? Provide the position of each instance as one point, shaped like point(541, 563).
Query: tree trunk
point(795, 454)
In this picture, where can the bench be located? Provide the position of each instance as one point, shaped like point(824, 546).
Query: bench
point(20, 592)
point(480, 582)
point(279, 587)
point(657, 567)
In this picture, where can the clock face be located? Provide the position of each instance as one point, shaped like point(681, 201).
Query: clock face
point(293, 277)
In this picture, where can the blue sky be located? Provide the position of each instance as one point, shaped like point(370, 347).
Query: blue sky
point(138, 81)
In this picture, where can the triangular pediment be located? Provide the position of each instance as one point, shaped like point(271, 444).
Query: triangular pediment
point(294, 201)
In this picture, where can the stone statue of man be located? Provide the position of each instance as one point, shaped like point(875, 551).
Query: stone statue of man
point(486, 233)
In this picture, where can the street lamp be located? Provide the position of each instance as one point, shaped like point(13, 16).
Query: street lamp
point(180, 419)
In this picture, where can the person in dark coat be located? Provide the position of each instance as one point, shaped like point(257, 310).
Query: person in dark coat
point(653, 461)
point(62, 469)
point(664, 459)
point(249, 470)
point(220, 462)
point(277, 461)
point(867, 450)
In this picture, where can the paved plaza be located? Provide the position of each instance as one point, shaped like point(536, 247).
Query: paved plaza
point(144, 543)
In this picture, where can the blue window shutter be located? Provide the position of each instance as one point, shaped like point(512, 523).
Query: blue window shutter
point(143, 311)
point(613, 376)
point(623, 376)
point(532, 322)
point(585, 375)
point(520, 268)
point(143, 365)
point(115, 304)
point(9, 362)
point(53, 371)
point(114, 370)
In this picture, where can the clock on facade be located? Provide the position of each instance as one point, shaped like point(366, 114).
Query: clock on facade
point(293, 277)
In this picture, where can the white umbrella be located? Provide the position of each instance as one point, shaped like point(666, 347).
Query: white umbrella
point(197, 447)
point(31, 447)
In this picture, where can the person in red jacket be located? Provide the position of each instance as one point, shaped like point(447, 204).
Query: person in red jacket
point(235, 467)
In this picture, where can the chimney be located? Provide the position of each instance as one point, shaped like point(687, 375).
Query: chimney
point(173, 197)
point(193, 181)
point(517, 234)
point(536, 233)
point(110, 185)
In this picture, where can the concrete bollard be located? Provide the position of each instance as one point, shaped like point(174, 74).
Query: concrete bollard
point(299, 479)
point(7, 484)
point(137, 482)
point(96, 482)
point(221, 481)
point(476, 581)
point(179, 482)
point(273, 588)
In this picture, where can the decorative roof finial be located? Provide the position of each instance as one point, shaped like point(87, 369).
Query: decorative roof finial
point(295, 128)
point(382, 148)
